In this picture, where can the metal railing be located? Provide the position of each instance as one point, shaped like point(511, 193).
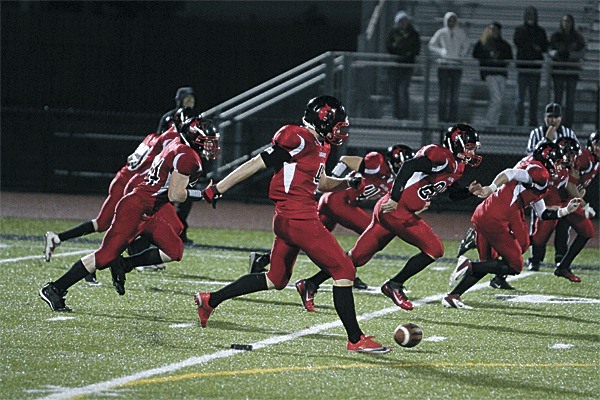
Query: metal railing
point(360, 81)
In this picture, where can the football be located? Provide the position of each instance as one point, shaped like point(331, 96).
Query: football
point(408, 335)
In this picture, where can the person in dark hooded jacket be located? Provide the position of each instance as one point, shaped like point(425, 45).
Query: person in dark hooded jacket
point(493, 53)
point(404, 42)
point(567, 45)
point(184, 97)
point(532, 43)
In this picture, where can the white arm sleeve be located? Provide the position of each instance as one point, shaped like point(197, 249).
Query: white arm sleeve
point(539, 207)
point(519, 175)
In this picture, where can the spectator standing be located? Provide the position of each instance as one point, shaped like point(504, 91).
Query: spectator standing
point(493, 51)
point(450, 45)
point(404, 42)
point(532, 43)
point(567, 45)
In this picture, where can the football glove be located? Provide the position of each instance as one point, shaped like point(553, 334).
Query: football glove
point(211, 194)
point(354, 182)
point(589, 211)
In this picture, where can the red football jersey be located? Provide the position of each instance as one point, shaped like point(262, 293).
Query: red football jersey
point(377, 181)
point(422, 187)
point(142, 157)
point(293, 186)
point(514, 196)
point(176, 156)
point(588, 166)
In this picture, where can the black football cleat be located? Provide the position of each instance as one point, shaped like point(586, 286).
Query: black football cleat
point(54, 297)
point(92, 281)
point(118, 277)
point(359, 284)
point(534, 265)
point(258, 262)
point(499, 282)
point(468, 242)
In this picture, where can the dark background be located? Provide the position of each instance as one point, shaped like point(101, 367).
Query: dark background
point(132, 56)
point(75, 71)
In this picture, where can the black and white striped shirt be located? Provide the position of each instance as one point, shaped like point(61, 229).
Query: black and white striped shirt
point(539, 133)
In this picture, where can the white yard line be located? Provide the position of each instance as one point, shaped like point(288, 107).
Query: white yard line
point(41, 257)
point(96, 388)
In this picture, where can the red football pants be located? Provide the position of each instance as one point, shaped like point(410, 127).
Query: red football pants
point(402, 223)
point(310, 236)
point(508, 238)
point(130, 220)
point(115, 193)
point(334, 209)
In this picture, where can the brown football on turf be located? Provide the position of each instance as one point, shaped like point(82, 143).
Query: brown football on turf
point(408, 335)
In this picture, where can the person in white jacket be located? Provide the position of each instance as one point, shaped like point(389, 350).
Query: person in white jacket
point(451, 46)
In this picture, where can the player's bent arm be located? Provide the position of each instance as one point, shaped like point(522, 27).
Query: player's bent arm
point(353, 162)
point(241, 173)
point(408, 168)
point(504, 177)
point(178, 184)
point(546, 213)
point(332, 184)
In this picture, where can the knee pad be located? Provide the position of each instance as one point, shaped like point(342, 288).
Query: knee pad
point(343, 282)
point(89, 262)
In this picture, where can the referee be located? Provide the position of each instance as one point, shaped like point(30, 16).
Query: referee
point(552, 131)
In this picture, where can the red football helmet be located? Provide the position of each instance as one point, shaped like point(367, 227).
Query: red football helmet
point(550, 155)
point(571, 149)
point(201, 135)
point(181, 115)
point(593, 143)
point(327, 116)
point(396, 155)
point(463, 141)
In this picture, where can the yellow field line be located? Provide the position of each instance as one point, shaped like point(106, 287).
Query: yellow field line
point(195, 375)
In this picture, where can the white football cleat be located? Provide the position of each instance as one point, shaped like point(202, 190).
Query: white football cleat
point(51, 242)
point(463, 265)
point(453, 301)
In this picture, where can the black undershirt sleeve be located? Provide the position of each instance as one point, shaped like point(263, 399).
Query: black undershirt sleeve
point(361, 167)
point(275, 156)
point(409, 167)
point(549, 214)
point(457, 193)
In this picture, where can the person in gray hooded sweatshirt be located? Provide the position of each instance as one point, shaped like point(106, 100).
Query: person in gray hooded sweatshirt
point(451, 46)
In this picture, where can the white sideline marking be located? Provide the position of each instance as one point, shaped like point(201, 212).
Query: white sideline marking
point(99, 387)
point(561, 346)
point(41, 257)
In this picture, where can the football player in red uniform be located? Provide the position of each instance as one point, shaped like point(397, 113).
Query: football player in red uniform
point(298, 155)
point(559, 193)
point(377, 173)
point(434, 169)
point(343, 207)
point(585, 169)
point(137, 163)
point(500, 222)
point(178, 164)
